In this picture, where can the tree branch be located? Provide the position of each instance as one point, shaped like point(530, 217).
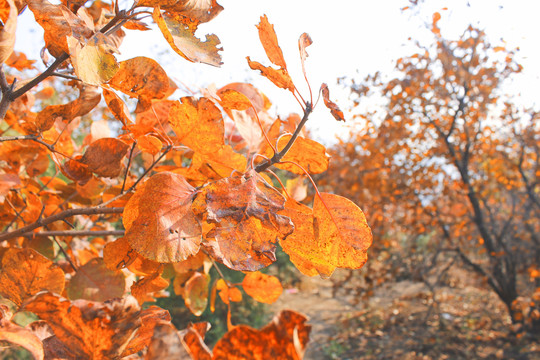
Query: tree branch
point(73, 233)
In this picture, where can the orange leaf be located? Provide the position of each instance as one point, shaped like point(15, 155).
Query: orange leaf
point(198, 124)
point(269, 41)
point(222, 163)
point(227, 293)
point(149, 144)
point(166, 344)
point(104, 156)
point(158, 219)
point(7, 31)
point(74, 169)
point(196, 293)
point(117, 106)
point(284, 338)
point(148, 285)
point(89, 330)
point(234, 100)
point(179, 31)
point(150, 317)
point(88, 100)
point(94, 281)
point(193, 338)
point(279, 77)
point(25, 272)
point(334, 109)
point(306, 152)
point(19, 61)
point(263, 288)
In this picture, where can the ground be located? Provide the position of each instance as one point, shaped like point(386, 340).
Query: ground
point(401, 320)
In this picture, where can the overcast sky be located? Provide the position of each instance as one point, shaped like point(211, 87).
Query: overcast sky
point(351, 38)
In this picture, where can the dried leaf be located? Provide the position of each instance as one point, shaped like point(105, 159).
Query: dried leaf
point(196, 293)
point(104, 157)
point(94, 281)
point(90, 330)
point(74, 169)
point(279, 77)
point(15, 334)
point(284, 338)
point(269, 41)
point(263, 288)
point(227, 293)
point(303, 42)
point(166, 344)
point(198, 124)
point(25, 272)
point(150, 317)
point(179, 32)
point(7, 31)
point(148, 285)
point(118, 254)
point(233, 100)
point(158, 219)
point(334, 109)
point(307, 153)
point(193, 339)
point(117, 106)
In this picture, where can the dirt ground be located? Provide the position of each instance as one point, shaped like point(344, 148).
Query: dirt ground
point(404, 320)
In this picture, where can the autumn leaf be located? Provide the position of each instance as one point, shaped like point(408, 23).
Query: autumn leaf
point(193, 338)
point(221, 163)
point(179, 32)
point(150, 317)
point(269, 41)
point(263, 288)
point(88, 100)
point(94, 281)
point(143, 289)
point(7, 31)
point(25, 272)
point(233, 100)
point(166, 344)
point(74, 169)
point(307, 153)
point(283, 338)
point(227, 293)
point(58, 22)
point(141, 78)
point(90, 330)
point(158, 219)
point(118, 254)
point(17, 335)
point(198, 124)
point(196, 293)
point(279, 77)
point(93, 61)
point(104, 157)
point(197, 11)
point(334, 109)
point(303, 42)
point(335, 234)
point(117, 106)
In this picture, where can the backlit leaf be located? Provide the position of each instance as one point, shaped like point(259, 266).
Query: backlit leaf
point(263, 288)
point(90, 330)
point(104, 156)
point(7, 31)
point(93, 61)
point(227, 293)
point(234, 100)
point(158, 219)
point(94, 281)
point(280, 77)
point(25, 272)
point(198, 124)
point(283, 338)
point(179, 32)
point(117, 106)
point(334, 109)
point(269, 41)
point(305, 152)
point(303, 43)
point(196, 293)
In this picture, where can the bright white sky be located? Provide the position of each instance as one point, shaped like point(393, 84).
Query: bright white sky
point(351, 38)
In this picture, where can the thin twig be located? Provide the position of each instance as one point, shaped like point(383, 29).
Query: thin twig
point(74, 233)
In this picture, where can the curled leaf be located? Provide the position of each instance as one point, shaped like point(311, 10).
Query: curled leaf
point(269, 41)
point(334, 109)
point(279, 77)
point(303, 43)
point(7, 31)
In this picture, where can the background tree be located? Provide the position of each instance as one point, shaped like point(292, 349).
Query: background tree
point(449, 157)
point(105, 207)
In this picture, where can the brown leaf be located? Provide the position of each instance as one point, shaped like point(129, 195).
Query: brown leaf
point(269, 41)
point(150, 317)
point(25, 272)
point(158, 219)
point(284, 338)
point(90, 330)
point(197, 11)
point(94, 281)
point(74, 169)
point(7, 31)
point(15, 334)
point(166, 344)
point(179, 31)
point(58, 22)
point(141, 78)
point(279, 77)
point(263, 288)
point(198, 124)
point(303, 42)
point(104, 157)
point(196, 293)
point(334, 109)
